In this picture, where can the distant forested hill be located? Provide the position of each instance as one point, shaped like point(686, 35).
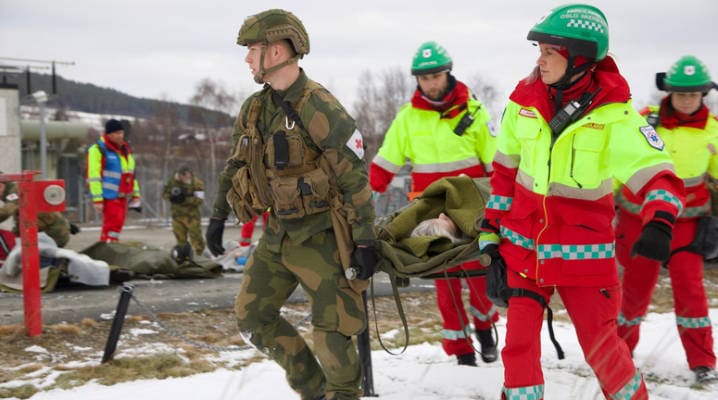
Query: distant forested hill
point(90, 98)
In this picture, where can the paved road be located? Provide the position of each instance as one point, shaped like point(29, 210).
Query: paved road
point(74, 304)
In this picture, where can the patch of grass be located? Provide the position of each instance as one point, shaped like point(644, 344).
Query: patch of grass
point(21, 392)
point(160, 366)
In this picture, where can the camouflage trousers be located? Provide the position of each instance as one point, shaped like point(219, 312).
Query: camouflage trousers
point(337, 314)
point(188, 226)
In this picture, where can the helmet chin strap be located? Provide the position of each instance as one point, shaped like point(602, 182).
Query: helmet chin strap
point(259, 78)
point(565, 81)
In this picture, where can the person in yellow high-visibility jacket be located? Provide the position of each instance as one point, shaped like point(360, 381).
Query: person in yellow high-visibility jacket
point(444, 131)
point(690, 133)
point(568, 130)
point(111, 179)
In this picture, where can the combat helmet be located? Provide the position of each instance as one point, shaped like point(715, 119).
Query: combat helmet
point(271, 26)
point(581, 28)
point(688, 74)
point(430, 58)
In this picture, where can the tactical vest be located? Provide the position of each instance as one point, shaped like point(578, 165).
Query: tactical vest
point(284, 173)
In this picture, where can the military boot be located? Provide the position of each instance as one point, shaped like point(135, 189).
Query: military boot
point(489, 353)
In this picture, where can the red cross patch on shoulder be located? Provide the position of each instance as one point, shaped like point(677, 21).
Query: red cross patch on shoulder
point(356, 144)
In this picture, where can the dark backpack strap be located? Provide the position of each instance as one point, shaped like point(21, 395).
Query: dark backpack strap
point(549, 316)
point(291, 114)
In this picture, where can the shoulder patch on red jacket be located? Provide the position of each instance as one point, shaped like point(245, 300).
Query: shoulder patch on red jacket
point(652, 137)
point(525, 112)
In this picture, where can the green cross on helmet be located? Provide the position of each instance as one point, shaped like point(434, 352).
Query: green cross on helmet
point(688, 74)
point(273, 25)
point(581, 28)
point(431, 57)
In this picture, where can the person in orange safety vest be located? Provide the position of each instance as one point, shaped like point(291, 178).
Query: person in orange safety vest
point(690, 134)
point(568, 130)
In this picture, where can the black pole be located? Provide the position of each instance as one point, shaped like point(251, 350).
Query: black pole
point(54, 81)
point(364, 345)
point(117, 322)
point(27, 80)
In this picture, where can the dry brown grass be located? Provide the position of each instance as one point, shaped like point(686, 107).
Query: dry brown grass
point(75, 350)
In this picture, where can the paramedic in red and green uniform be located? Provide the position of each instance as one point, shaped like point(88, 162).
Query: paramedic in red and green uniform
point(690, 134)
point(568, 130)
point(444, 131)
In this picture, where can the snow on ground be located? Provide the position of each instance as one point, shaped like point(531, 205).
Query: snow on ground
point(424, 372)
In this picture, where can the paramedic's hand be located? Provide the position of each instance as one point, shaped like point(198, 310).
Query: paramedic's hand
point(214, 236)
point(135, 204)
point(99, 206)
point(364, 259)
point(654, 242)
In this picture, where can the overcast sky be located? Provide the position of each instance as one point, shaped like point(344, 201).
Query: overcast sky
point(163, 48)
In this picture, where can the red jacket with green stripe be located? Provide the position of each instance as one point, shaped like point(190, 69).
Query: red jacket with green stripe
point(552, 198)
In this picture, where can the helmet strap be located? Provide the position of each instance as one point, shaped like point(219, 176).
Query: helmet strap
point(259, 78)
point(566, 82)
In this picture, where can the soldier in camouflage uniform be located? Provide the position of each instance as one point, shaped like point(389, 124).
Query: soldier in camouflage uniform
point(185, 192)
point(298, 152)
point(54, 224)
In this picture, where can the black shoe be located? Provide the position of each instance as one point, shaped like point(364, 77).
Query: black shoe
point(705, 375)
point(489, 353)
point(467, 359)
point(121, 275)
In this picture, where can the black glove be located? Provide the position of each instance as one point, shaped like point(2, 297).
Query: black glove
point(654, 242)
point(74, 229)
point(176, 195)
point(364, 261)
point(214, 236)
point(497, 287)
point(493, 251)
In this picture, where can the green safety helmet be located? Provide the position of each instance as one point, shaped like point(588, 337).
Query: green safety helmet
point(688, 74)
point(431, 57)
point(581, 28)
point(273, 25)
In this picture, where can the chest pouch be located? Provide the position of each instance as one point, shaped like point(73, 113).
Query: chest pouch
point(298, 196)
point(285, 150)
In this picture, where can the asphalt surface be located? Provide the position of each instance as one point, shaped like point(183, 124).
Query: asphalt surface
point(72, 304)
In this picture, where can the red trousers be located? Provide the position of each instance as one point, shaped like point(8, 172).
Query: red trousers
point(248, 229)
point(455, 340)
point(113, 218)
point(593, 311)
point(689, 296)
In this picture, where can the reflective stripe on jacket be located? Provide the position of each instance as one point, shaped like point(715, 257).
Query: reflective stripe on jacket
point(110, 174)
point(554, 197)
point(433, 149)
point(695, 153)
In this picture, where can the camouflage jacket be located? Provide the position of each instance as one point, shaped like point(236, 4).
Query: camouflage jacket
point(332, 132)
point(53, 223)
point(193, 196)
point(8, 201)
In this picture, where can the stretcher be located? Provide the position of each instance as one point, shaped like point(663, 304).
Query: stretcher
point(462, 199)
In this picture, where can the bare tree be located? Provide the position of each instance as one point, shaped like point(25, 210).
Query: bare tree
point(214, 106)
point(487, 94)
point(378, 101)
